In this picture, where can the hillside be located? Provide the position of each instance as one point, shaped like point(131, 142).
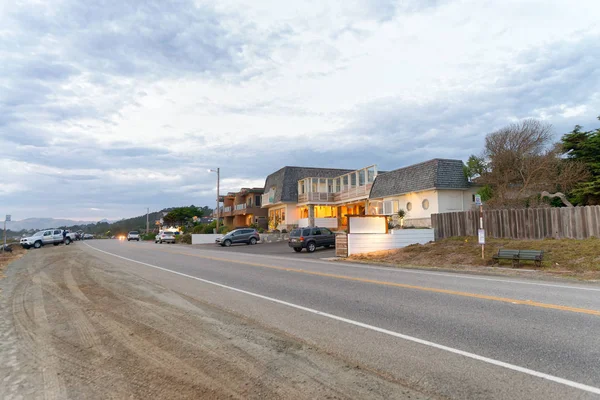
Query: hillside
point(41, 223)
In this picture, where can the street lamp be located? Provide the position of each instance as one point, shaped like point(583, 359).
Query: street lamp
point(218, 171)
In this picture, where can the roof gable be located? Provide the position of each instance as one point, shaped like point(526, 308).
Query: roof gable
point(432, 174)
point(286, 180)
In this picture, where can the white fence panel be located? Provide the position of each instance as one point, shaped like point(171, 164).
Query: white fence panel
point(368, 242)
point(204, 238)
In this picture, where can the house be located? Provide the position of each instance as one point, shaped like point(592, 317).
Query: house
point(430, 187)
point(291, 193)
point(302, 196)
point(243, 208)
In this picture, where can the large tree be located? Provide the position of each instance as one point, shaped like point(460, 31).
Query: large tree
point(584, 146)
point(523, 163)
point(182, 216)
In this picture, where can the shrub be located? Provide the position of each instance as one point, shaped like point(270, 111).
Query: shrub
point(148, 236)
point(198, 229)
point(185, 238)
point(261, 230)
point(224, 229)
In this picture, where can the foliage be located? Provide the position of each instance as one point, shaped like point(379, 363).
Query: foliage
point(523, 162)
point(198, 229)
point(224, 229)
point(475, 167)
point(185, 238)
point(148, 236)
point(182, 216)
point(402, 213)
point(584, 147)
point(486, 193)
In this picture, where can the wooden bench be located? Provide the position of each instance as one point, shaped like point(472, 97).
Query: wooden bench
point(520, 255)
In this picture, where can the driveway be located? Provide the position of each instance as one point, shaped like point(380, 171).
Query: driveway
point(275, 248)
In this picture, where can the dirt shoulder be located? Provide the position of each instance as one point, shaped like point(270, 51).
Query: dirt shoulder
point(567, 258)
point(73, 326)
point(8, 257)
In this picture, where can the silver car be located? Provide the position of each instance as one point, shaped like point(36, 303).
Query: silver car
point(133, 235)
point(164, 236)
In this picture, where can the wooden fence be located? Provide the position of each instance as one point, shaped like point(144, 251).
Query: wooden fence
point(527, 223)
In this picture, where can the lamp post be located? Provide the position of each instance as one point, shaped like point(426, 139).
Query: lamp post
point(218, 171)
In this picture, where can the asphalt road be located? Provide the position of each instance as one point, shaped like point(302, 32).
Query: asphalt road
point(452, 335)
point(274, 249)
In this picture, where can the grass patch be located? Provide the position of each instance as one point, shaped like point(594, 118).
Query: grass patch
point(561, 256)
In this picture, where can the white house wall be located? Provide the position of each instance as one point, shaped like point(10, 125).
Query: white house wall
point(416, 198)
point(451, 200)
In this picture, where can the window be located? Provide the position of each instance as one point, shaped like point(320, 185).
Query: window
point(361, 177)
point(352, 180)
point(329, 185)
point(425, 204)
point(301, 185)
point(316, 231)
point(282, 216)
point(390, 207)
point(338, 184)
point(305, 232)
point(345, 180)
point(315, 185)
point(408, 206)
point(47, 233)
point(57, 232)
point(326, 231)
point(371, 175)
point(257, 201)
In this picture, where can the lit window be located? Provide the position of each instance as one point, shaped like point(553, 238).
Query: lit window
point(425, 204)
point(390, 207)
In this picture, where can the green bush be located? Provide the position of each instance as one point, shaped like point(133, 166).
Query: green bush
point(198, 229)
point(185, 238)
point(148, 236)
point(224, 229)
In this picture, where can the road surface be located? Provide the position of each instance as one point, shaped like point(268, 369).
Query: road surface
point(441, 335)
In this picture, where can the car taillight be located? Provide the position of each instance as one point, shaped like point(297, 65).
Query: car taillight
point(302, 238)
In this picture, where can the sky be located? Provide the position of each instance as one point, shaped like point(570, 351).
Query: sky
point(107, 108)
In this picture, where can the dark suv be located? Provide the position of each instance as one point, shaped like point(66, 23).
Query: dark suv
point(244, 235)
point(310, 238)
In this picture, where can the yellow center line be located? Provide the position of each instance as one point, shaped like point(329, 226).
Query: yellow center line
point(399, 285)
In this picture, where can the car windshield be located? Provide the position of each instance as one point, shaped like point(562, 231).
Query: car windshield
point(133, 233)
point(40, 233)
point(168, 233)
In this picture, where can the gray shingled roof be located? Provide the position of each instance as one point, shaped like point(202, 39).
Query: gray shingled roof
point(432, 174)
point(286, 180)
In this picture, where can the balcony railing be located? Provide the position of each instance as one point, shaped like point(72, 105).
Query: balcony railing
point(227, 209)
point(240, 206)
point(311, 197)
point(268, 198)
point(350, 193)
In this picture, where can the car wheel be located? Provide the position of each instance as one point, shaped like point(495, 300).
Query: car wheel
point(37, 244)
point(56, 244)
point(160, 241)
point(227, 243)
point(253, 241)
point(68, 241)
point(138, 240)
point(311, 247)
point(297, 249)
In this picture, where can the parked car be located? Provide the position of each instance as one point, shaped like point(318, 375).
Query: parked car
point(73, 236)
point(42, 238)
point(87, 236)
point(245, 235)
point(133, 235)
point(310, 238)
point(165, 236)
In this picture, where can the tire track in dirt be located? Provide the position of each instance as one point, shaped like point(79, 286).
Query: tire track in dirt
point(108, 333)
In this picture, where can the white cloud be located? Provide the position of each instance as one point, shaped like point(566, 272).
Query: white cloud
point(135, 101)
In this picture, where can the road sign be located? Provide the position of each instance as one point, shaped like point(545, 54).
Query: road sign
point(7, 219)
point(481, 234)
point(478, 200)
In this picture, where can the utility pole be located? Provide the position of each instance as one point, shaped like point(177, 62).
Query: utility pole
point(218, 171)
point(6, 219)
point(147, 220)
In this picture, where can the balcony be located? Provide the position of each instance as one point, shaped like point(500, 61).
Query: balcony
point(316, 197)
point(268, 198)
point(353, 192)
point(240, 207)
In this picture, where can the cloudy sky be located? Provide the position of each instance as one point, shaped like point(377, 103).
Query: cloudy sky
point(109, 107)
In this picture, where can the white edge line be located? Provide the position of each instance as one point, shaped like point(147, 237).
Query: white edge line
point(473, 356)
point(458, 274)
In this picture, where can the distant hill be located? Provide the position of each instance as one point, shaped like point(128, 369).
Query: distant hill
point(42, 223)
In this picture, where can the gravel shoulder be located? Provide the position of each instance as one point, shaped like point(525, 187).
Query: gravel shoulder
point(73, 326)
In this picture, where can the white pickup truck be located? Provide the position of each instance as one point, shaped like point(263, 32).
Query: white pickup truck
point(42, 238)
